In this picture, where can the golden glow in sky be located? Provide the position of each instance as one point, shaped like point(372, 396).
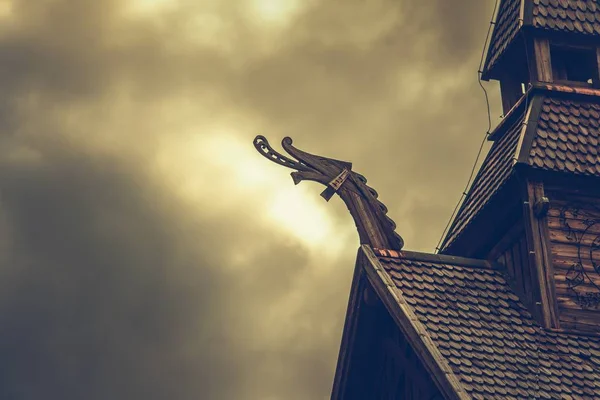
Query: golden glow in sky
point(299, 211)
point(147, 6)
point(263, 11)
point(5, 8)
point(275, 11)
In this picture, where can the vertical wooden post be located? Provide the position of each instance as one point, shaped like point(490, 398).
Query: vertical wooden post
point(542, 59)
point(597, 69)
point(542, 267)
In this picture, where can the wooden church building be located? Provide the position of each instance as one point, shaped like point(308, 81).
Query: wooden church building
point(510, 306)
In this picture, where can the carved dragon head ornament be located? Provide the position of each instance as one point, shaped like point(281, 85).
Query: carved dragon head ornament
point(374, 226)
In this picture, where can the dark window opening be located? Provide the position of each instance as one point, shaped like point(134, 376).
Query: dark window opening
point(574, 65)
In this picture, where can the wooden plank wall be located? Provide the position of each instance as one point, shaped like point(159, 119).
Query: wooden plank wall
point(574, 228)
point(385, 366)
point(402, 374)
point(512, 253)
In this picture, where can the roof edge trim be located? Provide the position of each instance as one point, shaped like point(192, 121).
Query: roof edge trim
point(574, 90)
point(531, 124)
point(534, 90)
point(527, 13)
point(436, 258)
point(511, 115)
point(485, 67)
point(415, 331)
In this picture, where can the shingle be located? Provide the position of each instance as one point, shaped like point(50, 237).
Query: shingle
point(505, 30)
point(577, 16)
point(580, 17)
point(494, 356)
point(494, 172)
point(569, 145)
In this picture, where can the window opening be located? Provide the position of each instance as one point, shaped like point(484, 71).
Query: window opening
point(574, 65)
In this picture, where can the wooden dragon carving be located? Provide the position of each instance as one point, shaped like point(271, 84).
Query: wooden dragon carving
point(374, 227)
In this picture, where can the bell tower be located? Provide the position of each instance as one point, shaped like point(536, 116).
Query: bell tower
point(534, 207)
point(549, 41)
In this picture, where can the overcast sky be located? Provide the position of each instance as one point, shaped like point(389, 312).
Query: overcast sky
point(146, 250)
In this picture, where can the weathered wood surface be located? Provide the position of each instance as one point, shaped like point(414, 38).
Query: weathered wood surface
point(542, 59)
point(542, 284)
point(580, 320)
point(513, 255)
point(574, 230)
point(413, 330)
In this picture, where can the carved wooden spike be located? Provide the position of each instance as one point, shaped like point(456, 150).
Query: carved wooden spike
point(375, 228)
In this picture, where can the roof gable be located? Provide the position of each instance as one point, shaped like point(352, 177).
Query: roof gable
point(472, 319)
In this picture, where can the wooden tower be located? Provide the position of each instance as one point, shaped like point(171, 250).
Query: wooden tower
point(510, 308)
point(534, 207)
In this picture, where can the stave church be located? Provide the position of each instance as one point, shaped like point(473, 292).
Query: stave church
point(509, 306)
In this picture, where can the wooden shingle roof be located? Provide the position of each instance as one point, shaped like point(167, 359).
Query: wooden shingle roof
point(560, 134)
point(577, 16)
point(580, 17)
point(466, 311)
point(506, 29)
point(567, 137)
point(493, 174)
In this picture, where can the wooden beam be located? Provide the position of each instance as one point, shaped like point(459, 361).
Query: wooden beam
point(542, 59)
point(530, 124)
point(414, 331)
point(444, 259)
point(597, 72)
point(539, 244)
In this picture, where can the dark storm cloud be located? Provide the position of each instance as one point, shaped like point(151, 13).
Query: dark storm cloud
point(96, 292)
point(113, 286)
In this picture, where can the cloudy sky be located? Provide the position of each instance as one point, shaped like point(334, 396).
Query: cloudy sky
point(146, 250)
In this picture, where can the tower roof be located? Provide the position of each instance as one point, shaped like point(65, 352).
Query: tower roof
point(579, 17)
point(554, 128)
point(493, 174)
point(567, 136)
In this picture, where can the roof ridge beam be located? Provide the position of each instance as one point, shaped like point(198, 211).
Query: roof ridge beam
point(435, 258)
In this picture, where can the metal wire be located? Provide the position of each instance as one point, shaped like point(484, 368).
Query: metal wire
point(487, 133)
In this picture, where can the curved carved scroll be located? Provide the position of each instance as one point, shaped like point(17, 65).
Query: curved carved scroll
point(582, 225)
point(369, 214)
